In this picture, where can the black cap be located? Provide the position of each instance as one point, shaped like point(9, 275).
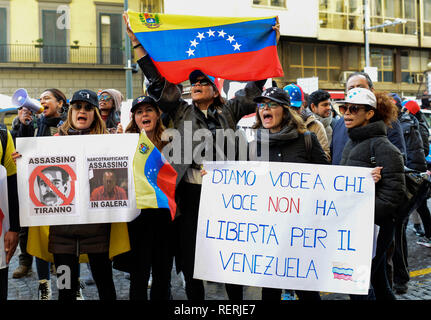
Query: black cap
point(86, 96)
point(275, 94)
point(142, 100)
point(194, 75)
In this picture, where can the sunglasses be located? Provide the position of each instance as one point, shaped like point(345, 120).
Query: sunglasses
point(105, 97)
point(87, 107)
point(201, 82)
point(271, 105)
point(353, 109)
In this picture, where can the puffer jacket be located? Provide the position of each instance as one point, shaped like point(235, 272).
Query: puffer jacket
point(289, 146)
point(424, 131)
point(187, 118)
point(369, 142)
point(79, 238)
point(414, 147)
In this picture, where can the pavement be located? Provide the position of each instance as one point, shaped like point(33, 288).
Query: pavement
point(419, 259)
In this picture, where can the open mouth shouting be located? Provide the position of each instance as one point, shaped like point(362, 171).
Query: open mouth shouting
point(267, 118)
point(272, 118)
point(82, 115)
point(146, 123)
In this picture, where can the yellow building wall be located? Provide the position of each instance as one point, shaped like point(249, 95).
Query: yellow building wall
point(24, 22)
point(25, 28)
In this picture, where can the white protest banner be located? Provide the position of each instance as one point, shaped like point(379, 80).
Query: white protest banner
point(4, 214)
point(76, 179)
point(286, 225)
point(308, 85)
point(126, 106)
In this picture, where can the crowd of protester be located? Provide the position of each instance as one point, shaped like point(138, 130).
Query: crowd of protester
point(369, 128)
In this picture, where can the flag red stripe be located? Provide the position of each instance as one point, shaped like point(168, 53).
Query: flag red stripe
point(166, 180)
point(245, 66)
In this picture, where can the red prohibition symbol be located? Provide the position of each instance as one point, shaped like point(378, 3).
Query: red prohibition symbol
point(38, 172)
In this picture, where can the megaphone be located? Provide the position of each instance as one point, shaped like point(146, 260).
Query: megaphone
point(21, 99)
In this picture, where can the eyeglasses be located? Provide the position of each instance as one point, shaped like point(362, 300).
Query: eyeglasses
point(353, 109)
point(201, 82)
point(87, 107)
point(105, 97)
point(271, 105)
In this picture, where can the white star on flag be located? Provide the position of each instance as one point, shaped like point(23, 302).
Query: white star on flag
point(194, 43)
point(190, 52)
point(230, 39)
point(221, 33)
point(210, 33)
point(200, 35)
point(236, 46)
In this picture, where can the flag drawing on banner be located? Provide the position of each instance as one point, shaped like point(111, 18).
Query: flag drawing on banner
point(241, 49)
point(154, 177)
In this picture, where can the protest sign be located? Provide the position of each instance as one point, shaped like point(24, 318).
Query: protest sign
point(76, 179)
point(4, 215)
point(286, 225)
point(308, 85)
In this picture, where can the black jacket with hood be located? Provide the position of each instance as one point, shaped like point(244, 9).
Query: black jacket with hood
point(368, 146)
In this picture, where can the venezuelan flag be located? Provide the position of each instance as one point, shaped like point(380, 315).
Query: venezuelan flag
point(241, 49)
point(154, 177)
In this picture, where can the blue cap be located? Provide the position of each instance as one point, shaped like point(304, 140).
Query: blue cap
point(396, 98)
point(296, 95)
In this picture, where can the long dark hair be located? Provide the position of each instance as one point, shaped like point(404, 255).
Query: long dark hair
point(132, 127)
point(60, 96)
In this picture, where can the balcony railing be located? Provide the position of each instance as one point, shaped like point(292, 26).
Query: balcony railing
point(35, 53)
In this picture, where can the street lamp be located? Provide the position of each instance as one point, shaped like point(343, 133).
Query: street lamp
point(128, 66)
point(367, 28)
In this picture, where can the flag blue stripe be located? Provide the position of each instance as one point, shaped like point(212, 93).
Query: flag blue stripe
point(152, 167)
point(186, 44)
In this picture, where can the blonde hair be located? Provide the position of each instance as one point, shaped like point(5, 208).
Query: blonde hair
point(290, 117)
point(97, 127)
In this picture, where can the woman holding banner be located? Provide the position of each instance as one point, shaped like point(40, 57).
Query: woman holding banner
point(208, 111)
point(366, 118)
point(54, 104)
point(150, 233)
point(287, 143)
point(67, 242)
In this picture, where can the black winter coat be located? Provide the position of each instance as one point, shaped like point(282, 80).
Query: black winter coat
point(39, 127)
point(371, 141)
point(424, 131)
point(289, 146)
point(79, 238)
point(414, 146)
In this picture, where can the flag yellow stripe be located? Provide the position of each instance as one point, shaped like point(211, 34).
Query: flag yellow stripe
point(420, 272)
point(144, 192)
point(175, 22)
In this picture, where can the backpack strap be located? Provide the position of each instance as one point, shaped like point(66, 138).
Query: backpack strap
point(3, 138)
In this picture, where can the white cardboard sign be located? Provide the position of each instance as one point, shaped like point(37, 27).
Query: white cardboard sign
point(76, 179)
point(286, 225)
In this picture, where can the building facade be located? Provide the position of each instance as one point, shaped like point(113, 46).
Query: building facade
point(325, 38)
point(64, 44)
